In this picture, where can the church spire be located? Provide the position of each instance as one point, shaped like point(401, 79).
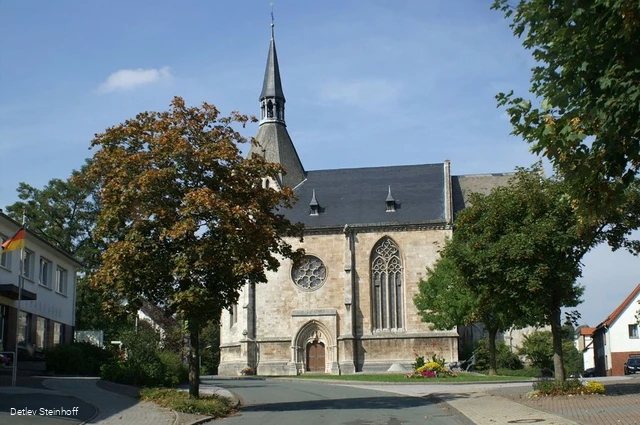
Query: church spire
point(273, 141)
point(272, 97)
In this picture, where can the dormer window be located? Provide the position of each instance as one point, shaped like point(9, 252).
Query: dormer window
point(314, 205)
point(391, 202)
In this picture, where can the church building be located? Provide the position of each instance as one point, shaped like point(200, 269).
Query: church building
point(369, 236)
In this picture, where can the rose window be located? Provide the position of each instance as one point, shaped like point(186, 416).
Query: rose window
point(309, 273)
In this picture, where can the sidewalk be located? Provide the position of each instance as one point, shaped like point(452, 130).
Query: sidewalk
point(501, 403)
point(112, 408)
point(98, 402)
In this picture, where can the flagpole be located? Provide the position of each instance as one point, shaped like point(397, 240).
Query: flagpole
point(14, 375)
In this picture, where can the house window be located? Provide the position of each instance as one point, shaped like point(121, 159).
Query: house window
point(42, 326)
point(61, 280)
point(45, 272)
point(24, 324)
point(5, 259)
point(27, 264)
point(386, 276)
point(58, 333)
point(633, 331)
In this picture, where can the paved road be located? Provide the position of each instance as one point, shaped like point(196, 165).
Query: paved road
point(273, 402)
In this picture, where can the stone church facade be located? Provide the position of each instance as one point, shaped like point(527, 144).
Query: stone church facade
point(370, 234)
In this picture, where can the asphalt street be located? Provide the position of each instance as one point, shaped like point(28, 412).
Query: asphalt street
point(273, 402)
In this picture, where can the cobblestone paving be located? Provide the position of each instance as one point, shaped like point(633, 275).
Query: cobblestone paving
point(621, 404)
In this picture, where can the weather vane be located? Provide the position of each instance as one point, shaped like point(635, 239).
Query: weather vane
point(271, 4)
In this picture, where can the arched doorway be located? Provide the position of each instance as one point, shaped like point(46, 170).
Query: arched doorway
point(316, 357)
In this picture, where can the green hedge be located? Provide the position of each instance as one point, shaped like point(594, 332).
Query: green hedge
point(165, 370)
point(77, 358)
point(145, 364)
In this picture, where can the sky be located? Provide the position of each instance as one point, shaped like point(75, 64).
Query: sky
point(368, 83)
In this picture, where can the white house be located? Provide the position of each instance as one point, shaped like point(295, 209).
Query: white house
point(617, 337)
point(47, 308)
point(584, 344)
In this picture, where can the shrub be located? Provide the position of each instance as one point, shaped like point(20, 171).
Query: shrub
point(175, 372)
point(77, 358)
point(247, 371)
point(505, 359)
point(145, 364)
point(594, 387)
point(419, 362)
point(570, 386)
point(118, 371)
point(210, 405)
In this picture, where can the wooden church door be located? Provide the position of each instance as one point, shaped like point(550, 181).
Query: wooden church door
point(315, 357)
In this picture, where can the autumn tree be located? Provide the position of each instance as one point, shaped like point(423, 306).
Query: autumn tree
point(186, 218)
point(584, 113)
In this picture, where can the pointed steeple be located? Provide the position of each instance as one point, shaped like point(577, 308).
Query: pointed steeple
point(273, 141)
point(272, 97)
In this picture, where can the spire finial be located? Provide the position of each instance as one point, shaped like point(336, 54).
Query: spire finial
point(272, 19)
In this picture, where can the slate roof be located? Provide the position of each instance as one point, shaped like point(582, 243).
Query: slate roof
point(357, 196)
point(465, 185)
point(276, 146)
point(272, 86)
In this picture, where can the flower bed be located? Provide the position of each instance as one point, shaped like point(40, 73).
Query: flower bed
point(433, 369)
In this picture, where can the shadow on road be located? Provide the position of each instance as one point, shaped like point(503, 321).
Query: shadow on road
point(368, 403)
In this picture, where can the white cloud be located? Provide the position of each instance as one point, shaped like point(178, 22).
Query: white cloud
point(127, 79)
point(363, 93)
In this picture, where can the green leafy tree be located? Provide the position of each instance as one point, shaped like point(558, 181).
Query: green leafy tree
point(587, 81)
point(64, 213)
point(185, 216)
point(538, 347)
point(518, 250)
point(450, 297)
point(210, 345)
point(505, 359)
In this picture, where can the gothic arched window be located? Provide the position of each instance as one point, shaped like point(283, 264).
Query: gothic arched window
point(386, 279)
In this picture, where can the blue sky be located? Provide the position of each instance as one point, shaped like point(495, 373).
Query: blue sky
point(367, 82)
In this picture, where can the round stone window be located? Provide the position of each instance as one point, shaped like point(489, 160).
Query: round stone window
point(309, 273)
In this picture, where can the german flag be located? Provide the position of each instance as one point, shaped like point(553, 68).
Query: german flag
point(16, 242)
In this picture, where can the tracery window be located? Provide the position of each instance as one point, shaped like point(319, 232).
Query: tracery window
point(309, 273)
point(386, 276)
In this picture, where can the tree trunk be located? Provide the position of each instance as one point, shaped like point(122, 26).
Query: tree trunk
point(194, 357)
point(558, 358)
point(493, 364)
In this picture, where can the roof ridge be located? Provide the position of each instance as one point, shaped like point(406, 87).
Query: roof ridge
point(622, 307)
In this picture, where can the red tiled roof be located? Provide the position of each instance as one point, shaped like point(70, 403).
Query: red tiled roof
point(587, 331)
point(622, 307)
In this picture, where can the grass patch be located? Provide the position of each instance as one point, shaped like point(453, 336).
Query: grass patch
point(393, 377)
point(527, 372)
point(209, 405)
